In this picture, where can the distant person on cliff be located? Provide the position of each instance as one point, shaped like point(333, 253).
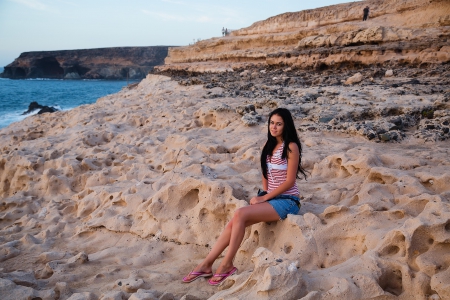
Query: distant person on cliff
point(280, 163)
point(226, 31)
point(223, 31)
point(366, 13)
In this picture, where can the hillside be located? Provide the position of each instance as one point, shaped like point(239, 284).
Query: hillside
point(101, 63)
point(397, 32)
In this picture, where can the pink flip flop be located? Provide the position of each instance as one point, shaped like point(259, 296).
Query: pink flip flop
point(196, 276)
point(224, 276)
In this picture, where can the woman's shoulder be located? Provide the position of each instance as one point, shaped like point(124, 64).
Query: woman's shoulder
point(293, 147)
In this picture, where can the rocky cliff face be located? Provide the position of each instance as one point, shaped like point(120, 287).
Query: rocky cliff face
point(399, 32)
point(102, 63)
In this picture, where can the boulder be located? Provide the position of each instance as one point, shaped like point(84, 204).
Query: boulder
point(354, 79)
point(83, 296)
point(42, 108)
point(130, 285)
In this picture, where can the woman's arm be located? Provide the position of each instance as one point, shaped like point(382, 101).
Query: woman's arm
point(292, 162)
point(265, 184)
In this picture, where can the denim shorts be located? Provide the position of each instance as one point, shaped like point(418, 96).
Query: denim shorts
point(285, 204)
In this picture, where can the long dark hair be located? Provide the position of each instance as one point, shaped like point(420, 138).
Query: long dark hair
point(289, 136)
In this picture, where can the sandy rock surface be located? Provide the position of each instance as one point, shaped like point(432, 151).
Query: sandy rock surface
point(122, 198)
point(413, 32)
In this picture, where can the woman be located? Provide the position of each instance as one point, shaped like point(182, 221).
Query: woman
point(280, 163)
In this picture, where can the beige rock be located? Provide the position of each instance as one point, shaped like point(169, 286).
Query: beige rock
point(189, 297)
point(145, 180)
point(10, 291)
point(368, 209)
point(354, 79)
point(21, 278)
point(130, 285)
point(82, 296)
point(113, 295)
point(439, 283)
point(167, 296)
point(143, 295)
point(80, 258)
point(244, 73)
point(276, 280)
point(49, 256)
point(279, 39)
point(63, 290)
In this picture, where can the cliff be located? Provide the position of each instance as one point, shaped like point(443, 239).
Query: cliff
point(411, 32)
point(101, 63)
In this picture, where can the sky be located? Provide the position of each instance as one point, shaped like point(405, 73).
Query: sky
point(44, 25)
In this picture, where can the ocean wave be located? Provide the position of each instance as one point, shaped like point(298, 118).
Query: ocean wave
point(16, 95)
point(16, 116)
point(35, 111)
point(12, 117)
point(42, 79)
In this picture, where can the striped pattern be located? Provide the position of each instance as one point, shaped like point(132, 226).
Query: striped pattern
point(277, 172)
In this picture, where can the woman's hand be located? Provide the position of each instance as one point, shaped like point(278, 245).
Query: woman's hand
point(257, 200)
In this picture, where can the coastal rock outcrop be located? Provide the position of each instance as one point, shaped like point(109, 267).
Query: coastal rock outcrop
point(397, 33)
point(41, 108)
point(122, 198)
point(101, 63)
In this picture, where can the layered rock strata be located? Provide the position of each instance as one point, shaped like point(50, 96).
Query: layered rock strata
point(407, 32)
point(102, 63)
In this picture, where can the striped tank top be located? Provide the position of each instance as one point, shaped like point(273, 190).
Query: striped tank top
point(277, 172)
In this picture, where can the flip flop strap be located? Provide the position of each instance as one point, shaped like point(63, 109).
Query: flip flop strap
point(224, 274)
point(197, 273)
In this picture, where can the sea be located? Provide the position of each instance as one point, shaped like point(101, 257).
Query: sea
point(16, 95)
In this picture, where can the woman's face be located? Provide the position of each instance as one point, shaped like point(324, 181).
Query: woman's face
point(276, 126)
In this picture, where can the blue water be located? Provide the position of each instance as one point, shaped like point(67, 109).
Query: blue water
point(16, 95)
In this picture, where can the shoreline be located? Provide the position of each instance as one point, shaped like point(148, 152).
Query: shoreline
point(66, 95)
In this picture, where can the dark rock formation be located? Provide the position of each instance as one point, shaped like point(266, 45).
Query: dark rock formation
point(102, 63)
point(42, 108)
point(324, 103)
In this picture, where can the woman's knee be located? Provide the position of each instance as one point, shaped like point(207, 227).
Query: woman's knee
point(229, 224)
point(240, 214)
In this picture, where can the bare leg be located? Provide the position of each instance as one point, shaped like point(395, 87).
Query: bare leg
point(242, 218)
point(220, 245)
